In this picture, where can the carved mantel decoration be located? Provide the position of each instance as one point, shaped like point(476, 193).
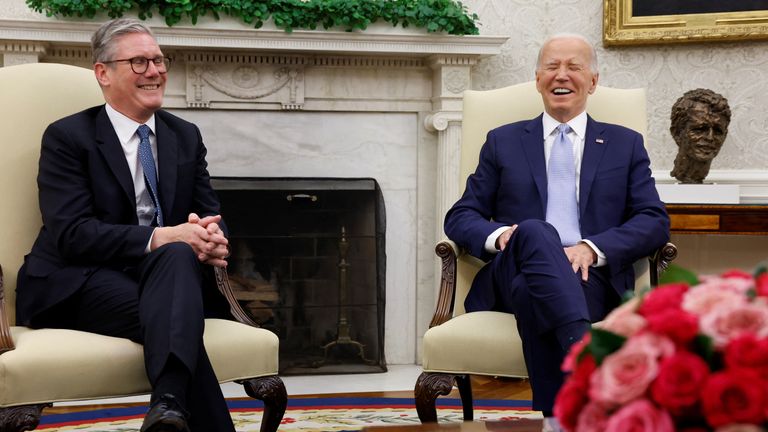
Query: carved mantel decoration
point(378, 75)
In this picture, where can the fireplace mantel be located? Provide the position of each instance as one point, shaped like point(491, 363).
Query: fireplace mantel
point(388, 78)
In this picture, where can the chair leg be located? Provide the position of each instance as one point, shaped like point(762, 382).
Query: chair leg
point(21, 418)
point(464, 384)
point(271, 391)
point(429, 386)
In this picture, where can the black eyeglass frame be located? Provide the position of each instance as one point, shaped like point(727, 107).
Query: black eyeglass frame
point(158, 61)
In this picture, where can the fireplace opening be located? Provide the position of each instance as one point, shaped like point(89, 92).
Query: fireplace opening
point(308, 263)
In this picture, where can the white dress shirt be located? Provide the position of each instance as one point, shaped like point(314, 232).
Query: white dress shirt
point(577, 135)
point(125, 128)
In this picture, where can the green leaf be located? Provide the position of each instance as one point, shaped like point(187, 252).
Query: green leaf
point(604, 343)
point(704, 346)
point(677, 274)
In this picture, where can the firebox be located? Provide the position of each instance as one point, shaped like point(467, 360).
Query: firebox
point(308, 263)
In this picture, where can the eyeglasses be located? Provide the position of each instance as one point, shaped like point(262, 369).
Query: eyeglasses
point(139, 65)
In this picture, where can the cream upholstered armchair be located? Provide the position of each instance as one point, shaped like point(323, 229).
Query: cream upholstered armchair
point(42, 367)
point(460, 344)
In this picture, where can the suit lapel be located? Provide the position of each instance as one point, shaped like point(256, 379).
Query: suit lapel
point(533, 147)
point(167, 155)
point(594, 148)
point(110, 148)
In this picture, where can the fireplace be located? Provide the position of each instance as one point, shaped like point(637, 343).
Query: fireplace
point(308, 263)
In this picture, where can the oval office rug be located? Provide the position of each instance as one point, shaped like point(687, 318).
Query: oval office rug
point(310, 414)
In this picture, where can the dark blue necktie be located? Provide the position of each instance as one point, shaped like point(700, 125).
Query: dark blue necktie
point(562, 209)
point(150, 173)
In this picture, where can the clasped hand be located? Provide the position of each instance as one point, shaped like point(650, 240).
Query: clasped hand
point(204, 236)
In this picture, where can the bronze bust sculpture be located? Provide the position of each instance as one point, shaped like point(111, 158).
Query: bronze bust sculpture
point(699, 126)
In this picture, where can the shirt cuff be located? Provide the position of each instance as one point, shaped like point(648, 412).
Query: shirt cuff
point(490, 242)
point(149, 243)
point(601, 260)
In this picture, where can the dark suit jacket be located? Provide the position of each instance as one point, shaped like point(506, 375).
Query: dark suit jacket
point(619, 208)
point(88, 202)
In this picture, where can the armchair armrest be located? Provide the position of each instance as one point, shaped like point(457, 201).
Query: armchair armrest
point(6, 342)
point(449, 252)
point(660, 260)
point(222, 282)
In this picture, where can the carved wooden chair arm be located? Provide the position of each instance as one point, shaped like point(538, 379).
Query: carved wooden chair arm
point(449, 252)
point(222, 282)
point(6, 342)
point(660, 260)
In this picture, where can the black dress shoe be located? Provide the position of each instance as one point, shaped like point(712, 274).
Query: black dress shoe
point(165, 415)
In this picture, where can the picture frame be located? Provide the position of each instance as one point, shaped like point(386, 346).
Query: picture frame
point(647, 22)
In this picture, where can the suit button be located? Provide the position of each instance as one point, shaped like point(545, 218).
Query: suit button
point(86, 272)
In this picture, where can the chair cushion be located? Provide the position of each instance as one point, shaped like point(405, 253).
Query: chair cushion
point(478, 343)
point(54, 365)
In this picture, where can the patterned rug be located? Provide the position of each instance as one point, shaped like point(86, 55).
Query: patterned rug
point(315, 414)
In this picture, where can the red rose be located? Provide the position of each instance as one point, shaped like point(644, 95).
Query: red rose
point(569, 402)
point(583, 371)
point(678, 385)
point(736, 273)
point(669, 296)
point(731, 396)
point(747, 351)
point(676, 324)
point(761, 284)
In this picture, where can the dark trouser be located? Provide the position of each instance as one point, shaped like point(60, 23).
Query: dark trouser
point(534, 280)
point(160, 304)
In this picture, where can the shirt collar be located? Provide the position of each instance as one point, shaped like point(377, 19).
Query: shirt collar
point(578, 124)
point(125, 128)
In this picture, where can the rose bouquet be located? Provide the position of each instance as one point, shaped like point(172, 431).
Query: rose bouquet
point(681, 357)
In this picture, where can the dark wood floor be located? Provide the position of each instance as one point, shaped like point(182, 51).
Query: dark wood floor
point(482, 388)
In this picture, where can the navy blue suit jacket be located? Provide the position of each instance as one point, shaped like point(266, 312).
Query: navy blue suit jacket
point(619, 208)
point(88, 202)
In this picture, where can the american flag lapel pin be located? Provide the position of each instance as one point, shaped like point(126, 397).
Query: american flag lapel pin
point(599, 141)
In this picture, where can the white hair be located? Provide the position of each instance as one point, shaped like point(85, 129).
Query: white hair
point(558, 36)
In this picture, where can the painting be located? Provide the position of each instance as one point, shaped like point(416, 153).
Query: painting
point(646, 22)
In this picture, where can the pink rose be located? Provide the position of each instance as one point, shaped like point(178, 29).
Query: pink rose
point(738, 285)
point(726, 323)
point(678, 385)
point(663, 297)
point(701, 299)
point(593, 418)
point(624, 320)
point(731, 396)
point(625, 374)
point(638, 416)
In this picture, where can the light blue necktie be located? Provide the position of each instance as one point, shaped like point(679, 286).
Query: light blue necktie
point(150, 173)
point(562, 209)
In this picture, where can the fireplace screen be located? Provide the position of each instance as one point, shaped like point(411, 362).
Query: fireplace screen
point(308, 263)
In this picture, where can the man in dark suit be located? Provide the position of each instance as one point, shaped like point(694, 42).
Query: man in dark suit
point(561, 212)
point(130, 225)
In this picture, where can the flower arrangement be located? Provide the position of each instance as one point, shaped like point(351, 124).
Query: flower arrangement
point(681, 357)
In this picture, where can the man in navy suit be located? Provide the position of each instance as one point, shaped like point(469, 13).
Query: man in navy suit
point(559, 256)
point(130, 226)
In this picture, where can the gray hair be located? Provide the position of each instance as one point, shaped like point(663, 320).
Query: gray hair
point(102, 41)
point(592, 64)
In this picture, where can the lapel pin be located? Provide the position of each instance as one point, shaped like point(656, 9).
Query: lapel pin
point(599, 141)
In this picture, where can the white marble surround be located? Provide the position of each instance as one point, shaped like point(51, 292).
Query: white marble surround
point(385, 103)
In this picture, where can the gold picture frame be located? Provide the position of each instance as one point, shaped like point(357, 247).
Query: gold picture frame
point(621, 27)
